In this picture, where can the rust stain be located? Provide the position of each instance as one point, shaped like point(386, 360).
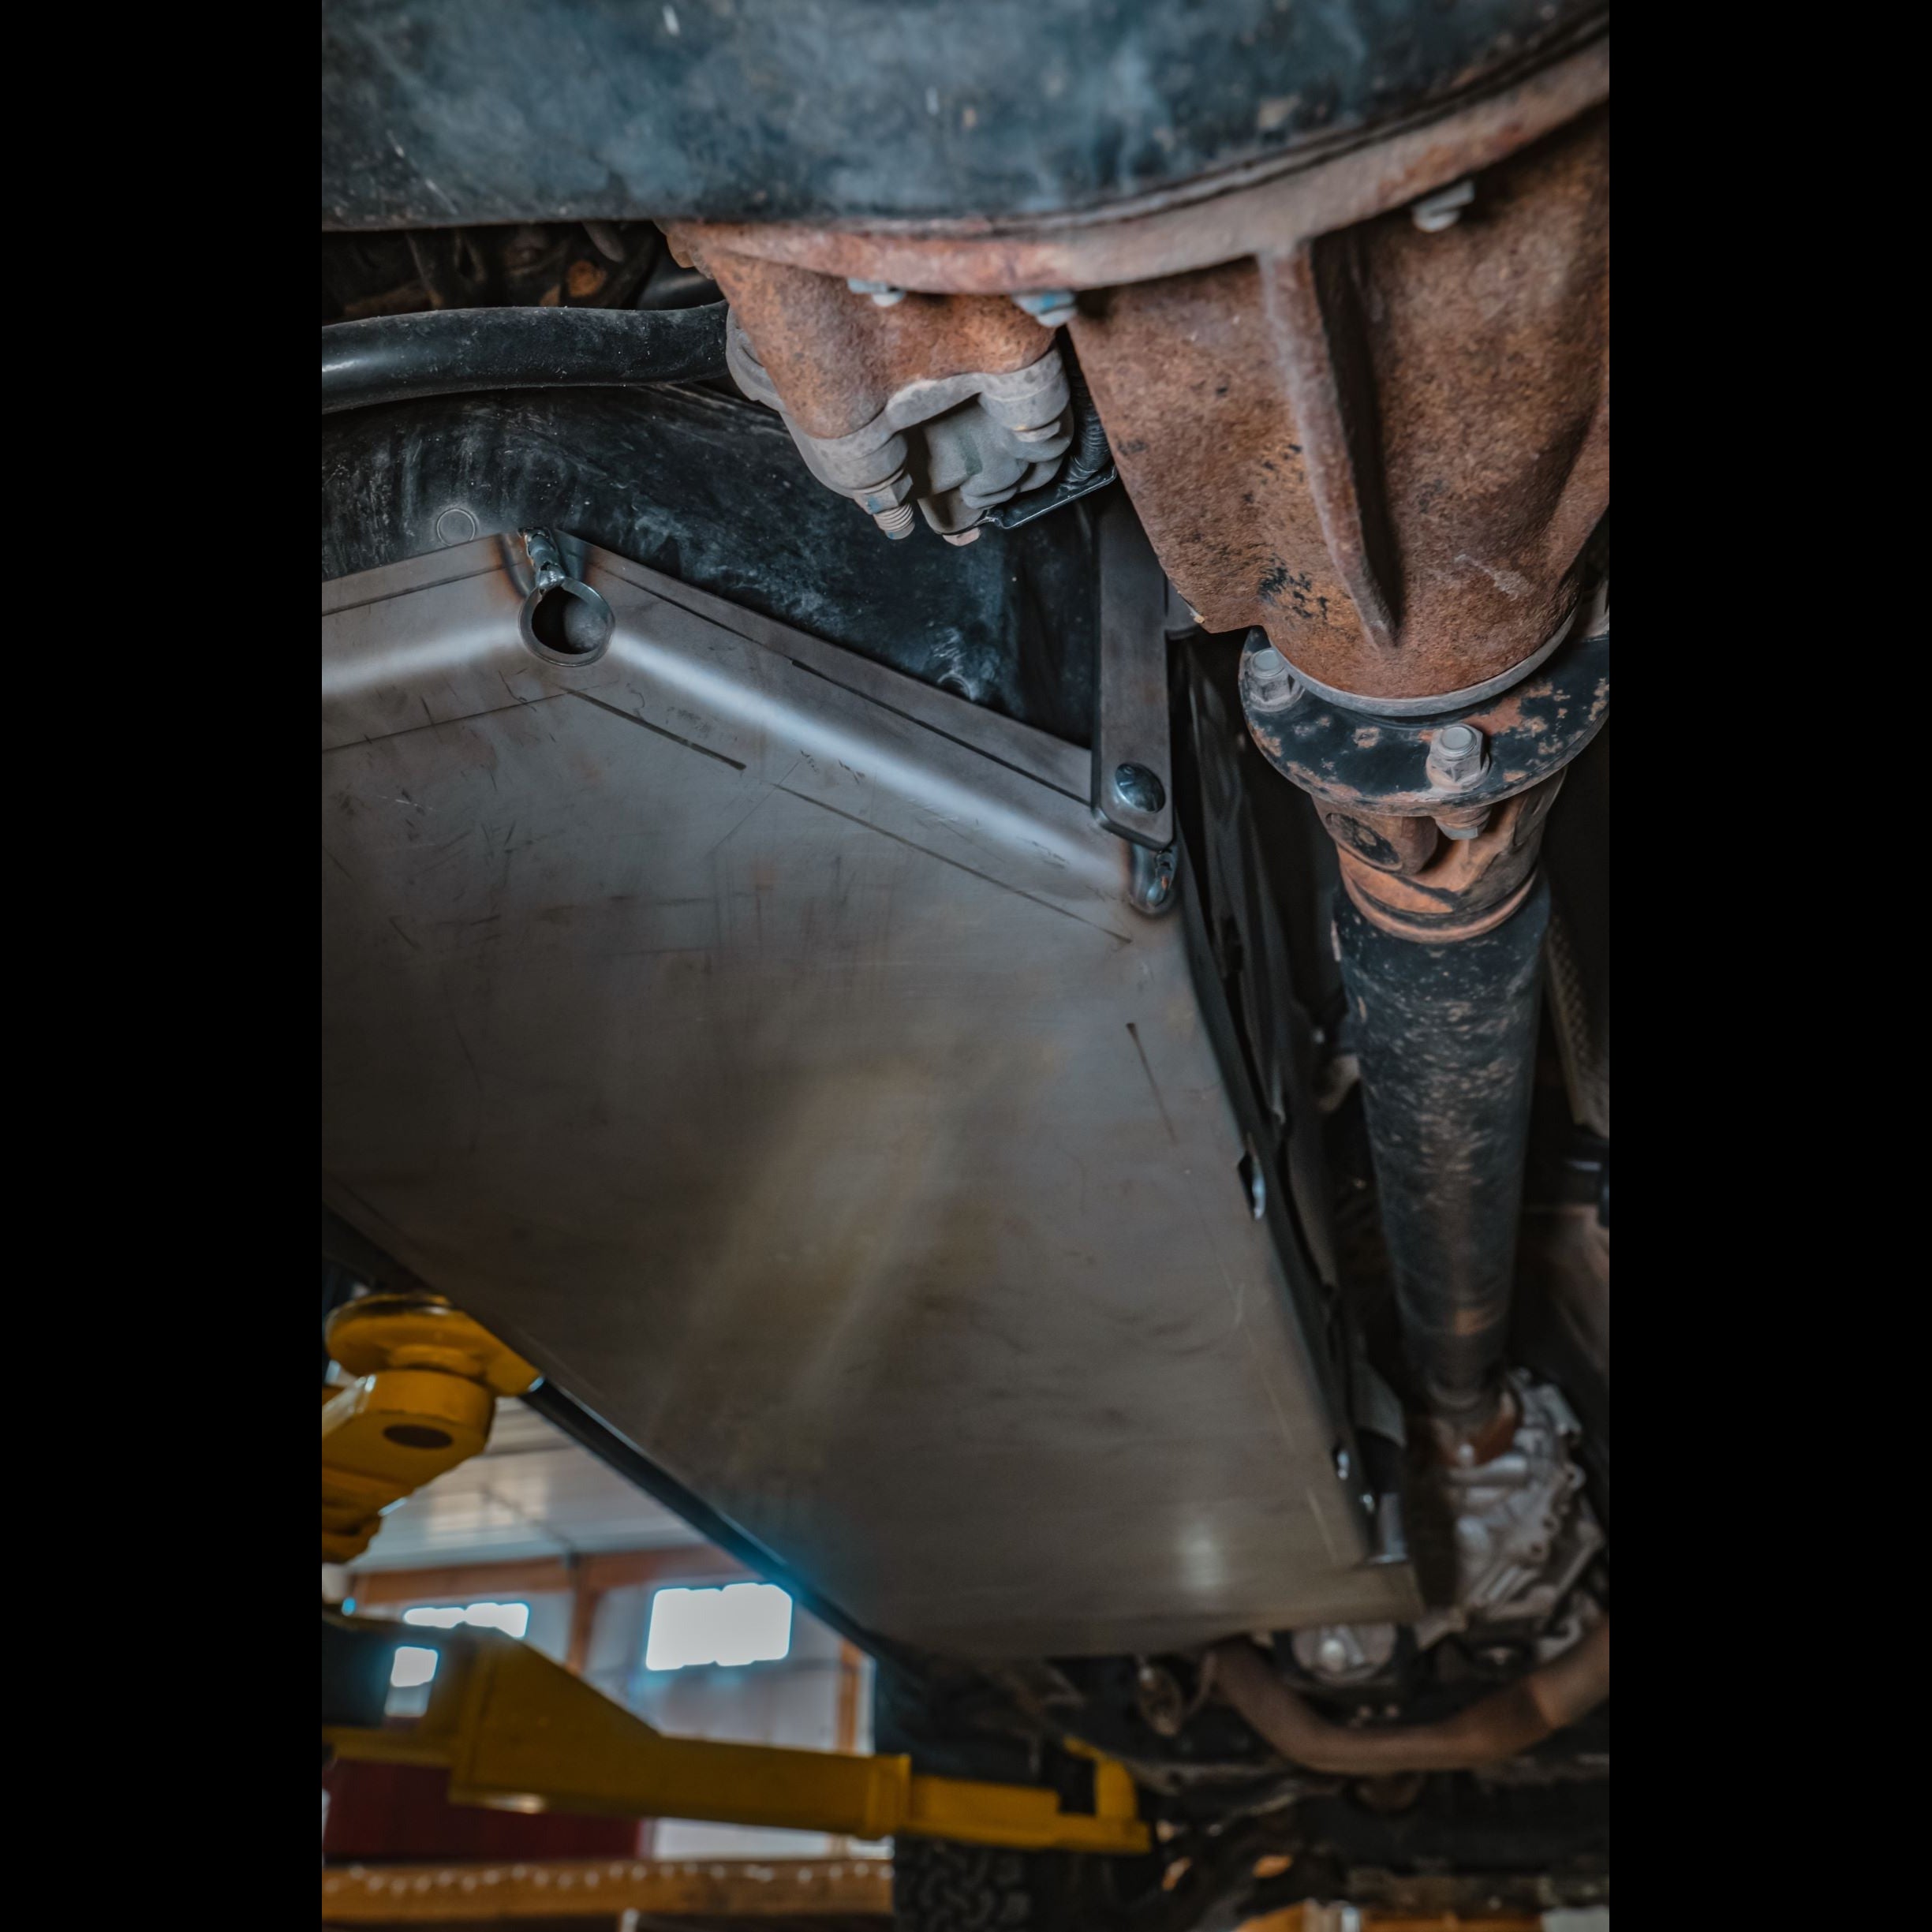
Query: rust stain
point(1467, 887)
point(837, 359)
point(1466, 375)
point(1386, 448)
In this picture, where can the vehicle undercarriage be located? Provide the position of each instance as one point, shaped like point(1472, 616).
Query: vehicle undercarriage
point(965, 783)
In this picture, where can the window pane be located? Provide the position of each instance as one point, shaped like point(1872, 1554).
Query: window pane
point(740, 1624)
point(413, 1666)
point(512, 1619)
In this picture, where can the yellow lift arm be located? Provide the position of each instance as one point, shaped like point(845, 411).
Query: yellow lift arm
point(520, 1733)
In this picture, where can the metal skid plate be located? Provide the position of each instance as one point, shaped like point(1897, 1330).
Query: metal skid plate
point(763, 1043)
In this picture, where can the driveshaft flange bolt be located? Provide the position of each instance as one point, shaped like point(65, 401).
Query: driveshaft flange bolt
point(897, 522)
point(1456, 757)
point(1270, 679)
point(883, 294)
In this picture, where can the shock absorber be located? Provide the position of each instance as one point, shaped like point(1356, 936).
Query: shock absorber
point(1438, 817)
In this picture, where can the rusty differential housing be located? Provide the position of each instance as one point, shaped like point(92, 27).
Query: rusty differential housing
point(1362, 405)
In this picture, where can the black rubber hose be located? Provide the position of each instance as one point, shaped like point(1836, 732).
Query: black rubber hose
point(446, 351)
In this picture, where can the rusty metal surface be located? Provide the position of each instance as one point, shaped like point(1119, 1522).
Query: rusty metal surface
point(1215, 221)
point(1182, 374)
point(1389, 448)
point(1380, 764)
point(837, 359)
point(956, 444)
point(956, 402)
point(1388, 445)
point(1465, 888)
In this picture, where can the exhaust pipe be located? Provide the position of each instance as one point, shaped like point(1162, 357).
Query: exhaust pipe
point(1501, 1725)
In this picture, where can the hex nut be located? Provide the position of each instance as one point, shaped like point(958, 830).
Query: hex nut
point(1457, 758)
point(1269, 677)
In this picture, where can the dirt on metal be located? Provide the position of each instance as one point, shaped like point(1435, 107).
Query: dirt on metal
point(1461, 888)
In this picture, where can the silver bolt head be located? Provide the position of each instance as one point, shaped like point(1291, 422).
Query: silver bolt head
point(1443, 209)
point(883, 294)
point(1332, 1653)
point(1138, 789)
point(1270, 678)
point(1051, 308)
point(1456, 757)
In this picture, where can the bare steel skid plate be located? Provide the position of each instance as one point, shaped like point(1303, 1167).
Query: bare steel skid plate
point(765, 1044)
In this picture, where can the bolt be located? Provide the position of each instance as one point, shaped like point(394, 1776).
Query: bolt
point(962, 537)
point(883, 294)
point(1462, 821)
point(1160, 1700)
point(1050, 307)
point(881, 497)
point(1443, 209)
point(1456, 757)
point(1332, 1655)
point(897, 522)
point(1270, 679)
point(1138, 789)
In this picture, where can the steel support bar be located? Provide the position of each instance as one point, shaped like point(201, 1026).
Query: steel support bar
point(518, 1732)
